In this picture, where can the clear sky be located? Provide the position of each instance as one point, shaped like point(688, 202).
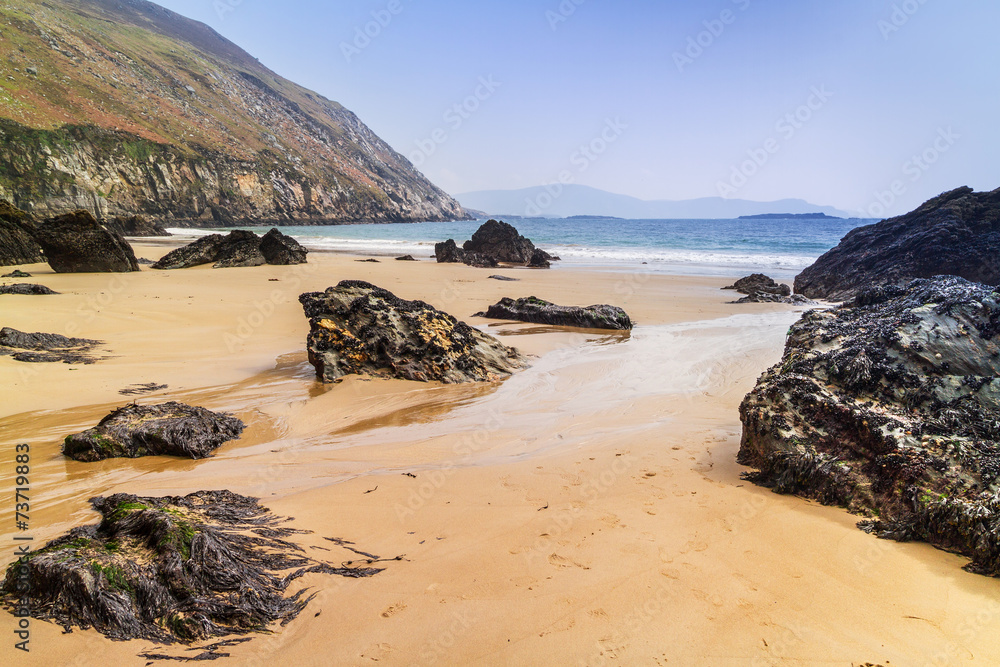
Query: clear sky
point(837, 102)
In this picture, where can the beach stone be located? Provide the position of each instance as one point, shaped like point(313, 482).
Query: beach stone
point(763, 289)
point(239, 248)
point(17, 273)
point(76, 243)
point(535, 310)
point(448, 252)
point(27, 289)
point(168, 429)
point(46, 347)
point(16, 243)
point(956, 233)
point(282, 250)
point(890, 406)
point(169, 570)
point(505, 279)
point(406, 258)
point(500, 241)
point(358, 328)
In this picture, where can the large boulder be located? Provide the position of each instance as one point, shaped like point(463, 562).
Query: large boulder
point(16, 243)
point(236, 249)
point(890, 406)
point(169, 429)
point(358, 328)
point(500, 241)
point(956, 233)
point(135, 225)
point(448, 252)
point(168, 570)
point(281, 249)
point(76, 243)
point(532, 309)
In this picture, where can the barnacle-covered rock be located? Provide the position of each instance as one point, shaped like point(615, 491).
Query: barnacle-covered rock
point(890, 406)
point(358, 328)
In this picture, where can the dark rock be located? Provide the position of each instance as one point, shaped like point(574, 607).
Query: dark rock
point(539, 259)
point(134, 225)
point(368, 261)
point(956, 233)
point(174, 569)
point(890, 406)
point(239, 248)
point(169, 429)
point(406, 258)
point(358, 328)
point(16, 243)
point(138, 389)
point(505, 279)
point(282, 250)
point(538, 311)
point(764, 297)
point(144, 261)
point(26, 289)
point(758, 282)
point(480, 261)
point(43, 347)
point(17, 273)
point(501, 242)
point(76, 243)
point(448, 252)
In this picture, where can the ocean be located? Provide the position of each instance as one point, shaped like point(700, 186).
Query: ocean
point(780, 248)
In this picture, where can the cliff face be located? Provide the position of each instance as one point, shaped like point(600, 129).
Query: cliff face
point(123, 107)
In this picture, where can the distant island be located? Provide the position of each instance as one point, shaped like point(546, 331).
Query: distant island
point(789, 216)
point(592, 217)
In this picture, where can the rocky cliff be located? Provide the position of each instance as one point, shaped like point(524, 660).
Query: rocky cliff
point(123, 107)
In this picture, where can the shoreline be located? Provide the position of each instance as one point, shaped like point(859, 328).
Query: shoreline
point(592, 501)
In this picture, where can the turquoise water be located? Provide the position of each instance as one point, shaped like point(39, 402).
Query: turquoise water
point(694, 247)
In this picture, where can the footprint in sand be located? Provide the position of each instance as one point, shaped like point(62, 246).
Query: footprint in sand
point(563, 562)
point(394, 609)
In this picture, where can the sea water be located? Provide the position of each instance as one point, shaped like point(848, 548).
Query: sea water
point(780, 247)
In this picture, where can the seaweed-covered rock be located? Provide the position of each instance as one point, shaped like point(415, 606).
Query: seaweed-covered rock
point(358, 328)
point(448, 252)
point(169, 429)
point(280, 249)
point(16, 243)
point(16, 273)
point(956, 233)
point(136, 226)
point(27, 289)
point(173, 569)
point(45, 347)
point(890, 406)
point(76, 243)
point(533, 309)
point(501, 242)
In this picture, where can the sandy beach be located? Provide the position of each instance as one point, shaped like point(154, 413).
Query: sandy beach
point(587, 511)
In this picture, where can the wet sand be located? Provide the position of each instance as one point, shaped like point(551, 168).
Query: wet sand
point(587, 511)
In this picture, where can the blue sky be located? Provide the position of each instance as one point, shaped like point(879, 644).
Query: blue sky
point(867, 105)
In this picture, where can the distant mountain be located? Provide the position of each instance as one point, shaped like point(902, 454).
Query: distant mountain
point(576, 200)
point(789, 216)
point(123, 107)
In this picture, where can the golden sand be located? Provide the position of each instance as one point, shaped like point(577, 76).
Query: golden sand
point(587, 511)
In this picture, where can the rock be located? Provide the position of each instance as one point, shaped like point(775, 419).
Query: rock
point(26, 289)
point(501, 242)
point(174, 569)
point(358, 328)
point(505, 279)
point(956, 233)
point(480, 261)
point(764, 297)
point(169, 429)
point(282, 250)
point(370, 260)
point(134, 225)
point(33, 71)
point(16, 274)
point(16, 243)
point(758, 282)
point(76, 243)
point(538, 311)
point(449, 253)
point(44, 348)
point(144, 388)
point(201, 251)
point(145, 262)
point(406, 258)
point(890, 407)
point(239, 248)
point(539, 259)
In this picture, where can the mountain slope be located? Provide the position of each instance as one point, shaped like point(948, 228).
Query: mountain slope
point(122, 106)
point(567, 200)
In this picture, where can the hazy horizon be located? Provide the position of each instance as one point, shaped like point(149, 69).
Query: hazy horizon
point(868, 107)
